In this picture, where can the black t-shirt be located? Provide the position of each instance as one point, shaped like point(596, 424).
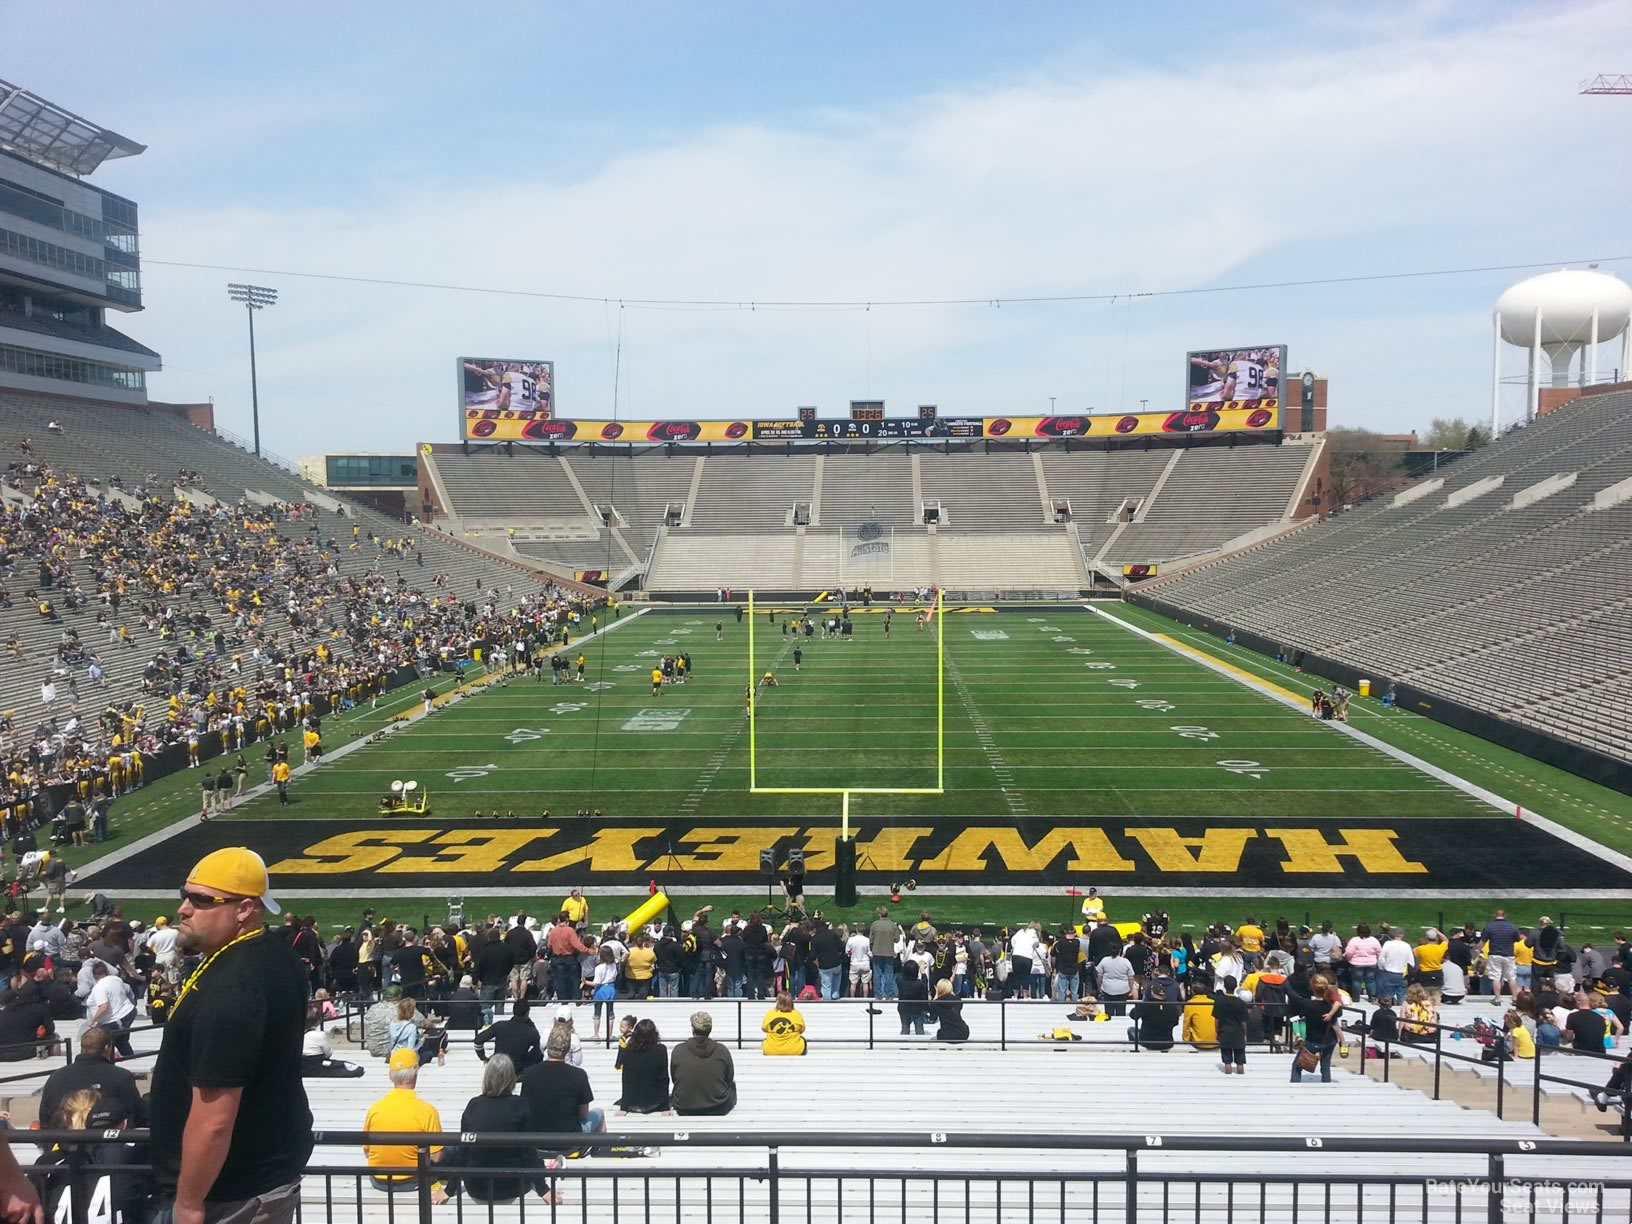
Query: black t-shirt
point(556, 1093)
point(120, 1100)
point(1587, 1030)
point(493, 963)
point(498, 1116)
point(240, 1026)
point(1316, 1030)
point(516, 1039)
point(668, 956)
point(21, 1026)
point(796, 948)
point(828, 949)
point(410, 966)
point(731, 953)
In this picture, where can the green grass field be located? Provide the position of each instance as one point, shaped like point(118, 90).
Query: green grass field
point(1055, 720)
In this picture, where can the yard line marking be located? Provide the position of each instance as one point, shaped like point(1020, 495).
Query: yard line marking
point(1286, 697)
point(1014, 799)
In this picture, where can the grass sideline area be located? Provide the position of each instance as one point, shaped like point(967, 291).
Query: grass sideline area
point(1036, 731)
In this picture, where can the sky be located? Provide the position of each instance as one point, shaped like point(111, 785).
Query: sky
point(745, 153)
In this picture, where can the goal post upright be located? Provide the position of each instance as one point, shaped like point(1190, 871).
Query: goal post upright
point(844, 792)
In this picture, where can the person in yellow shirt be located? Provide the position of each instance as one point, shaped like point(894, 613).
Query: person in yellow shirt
point(583, 664)
point(314, 746)
point(1525, 963)
point(639, 966)
point(576, 908)
point(657, 681)
point(1430, 954)
point(1200, 1029)
point(280, 778)
point(784, 1028)
point(401, 1111)
point(1251, 937)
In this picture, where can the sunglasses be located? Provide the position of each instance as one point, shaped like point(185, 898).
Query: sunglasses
point(206, 900)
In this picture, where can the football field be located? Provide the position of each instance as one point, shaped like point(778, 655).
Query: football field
point(1072, 747)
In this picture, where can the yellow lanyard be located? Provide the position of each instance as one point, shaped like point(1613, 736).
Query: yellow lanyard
point(193, 977)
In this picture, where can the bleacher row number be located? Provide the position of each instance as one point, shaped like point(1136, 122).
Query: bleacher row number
point(1314, 1143)
point(937, 1136)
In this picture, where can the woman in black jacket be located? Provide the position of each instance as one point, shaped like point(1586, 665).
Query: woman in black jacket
point(645, 1063)
point(913, 1004)
point(498, 1110)
point(947, 1012)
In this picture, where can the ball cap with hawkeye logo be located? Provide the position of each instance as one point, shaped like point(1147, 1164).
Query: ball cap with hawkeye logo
point(236, 871)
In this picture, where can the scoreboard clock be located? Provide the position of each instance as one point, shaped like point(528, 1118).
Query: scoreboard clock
point(926, 412)
point(866, 410)
point(807, 412)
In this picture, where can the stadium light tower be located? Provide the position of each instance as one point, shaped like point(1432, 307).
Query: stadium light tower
point(254, 297)
point(1608, 83)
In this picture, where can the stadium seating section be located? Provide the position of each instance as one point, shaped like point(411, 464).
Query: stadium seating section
point(1504, 584)
point(150, 449)
point(1006, 520)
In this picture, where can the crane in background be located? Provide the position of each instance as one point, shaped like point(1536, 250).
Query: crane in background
point(1607, 83)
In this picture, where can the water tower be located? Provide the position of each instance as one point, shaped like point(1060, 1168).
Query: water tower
point(1559, 313)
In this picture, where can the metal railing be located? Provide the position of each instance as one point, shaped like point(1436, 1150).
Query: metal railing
point(1391, 1046)
point(41, 1054)
point(871, 1176)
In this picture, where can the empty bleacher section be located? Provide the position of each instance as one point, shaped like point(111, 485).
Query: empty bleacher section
point(754, 491)
point(868, 488)
point(983, 490)
point(1523, 613)
point(1212, 495)
point(535, 488)
point(739, 517)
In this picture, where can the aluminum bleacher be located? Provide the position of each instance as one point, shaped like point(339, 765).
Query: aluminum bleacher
point(921, 1089)
point(1522, 612)
point(101, 441)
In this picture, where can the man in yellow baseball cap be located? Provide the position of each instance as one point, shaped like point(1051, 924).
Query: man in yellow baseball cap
point(234, 1034)
point(401, 1111)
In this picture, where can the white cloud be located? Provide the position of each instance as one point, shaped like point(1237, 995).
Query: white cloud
point(1433, 148)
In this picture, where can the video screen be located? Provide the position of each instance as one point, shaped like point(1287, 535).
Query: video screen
point(1238, 377)
point(503, 385)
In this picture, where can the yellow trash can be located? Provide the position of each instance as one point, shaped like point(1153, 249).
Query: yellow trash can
point(1365, 688)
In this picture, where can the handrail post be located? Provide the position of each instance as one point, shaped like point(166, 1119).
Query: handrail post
point(1501, 1077)
point(1387, 1050)
point(870, 1010)
point(1495, 1191)
point(1535, 1089)
point(772, 1186)
point(422, 1157)
point(1002, 1024)
point(1439, 1046)
point(739, 1033)
point(1130, 1188)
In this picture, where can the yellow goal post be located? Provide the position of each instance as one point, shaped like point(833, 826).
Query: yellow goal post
point(754, 788)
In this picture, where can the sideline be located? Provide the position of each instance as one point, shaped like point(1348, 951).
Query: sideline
point(1288, 698)
point(458, 693)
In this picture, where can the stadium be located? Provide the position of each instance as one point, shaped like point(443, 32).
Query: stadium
point(1193, 686)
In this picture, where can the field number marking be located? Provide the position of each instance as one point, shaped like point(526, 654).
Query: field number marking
point(1155, 703)
point(1127, 684)
point(466, 772)
point(1250, 769)
point(1101, 666)
point(1064, 638)
point(568, 707)
point(989, 635)
point(1079, 650)
point(1201, 733)
point(659, 719)
point(522, 734)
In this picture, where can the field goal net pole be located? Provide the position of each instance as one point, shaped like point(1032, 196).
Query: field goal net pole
point(844, 792)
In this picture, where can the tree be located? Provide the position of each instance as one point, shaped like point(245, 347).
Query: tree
point(1362, 465)
point(1455, 434)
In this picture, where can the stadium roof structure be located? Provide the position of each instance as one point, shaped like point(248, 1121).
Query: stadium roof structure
point(43, 131)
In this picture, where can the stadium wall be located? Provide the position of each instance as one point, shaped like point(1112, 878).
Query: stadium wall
point(1538, 745)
